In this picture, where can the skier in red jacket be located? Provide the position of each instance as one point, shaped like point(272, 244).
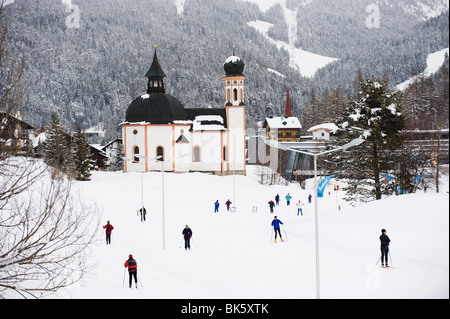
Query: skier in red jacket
point(109, 229)
point(132, 269)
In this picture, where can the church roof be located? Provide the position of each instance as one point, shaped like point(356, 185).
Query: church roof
point(155, 70)
point(288, 109)
point(155, 108)
point(234, 66)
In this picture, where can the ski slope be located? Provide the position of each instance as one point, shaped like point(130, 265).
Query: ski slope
point(305, 62)
point(233, 254)
point(434, 62)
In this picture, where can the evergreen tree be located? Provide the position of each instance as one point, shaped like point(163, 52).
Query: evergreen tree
point(56, 148)
point(117, 159)
point(82, 156)
point(375, 115)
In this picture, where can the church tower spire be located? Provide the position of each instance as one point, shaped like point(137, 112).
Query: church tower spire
point(155, 77)
point(288, 109)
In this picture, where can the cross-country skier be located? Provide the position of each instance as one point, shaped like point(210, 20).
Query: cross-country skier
point(288, 199)
point(384, 239)
point(109, 229)
point(277, 199)
point(276, 227)
point(143, 212)
point(299, 208)
point(228, 203)
point(271, 204)
point(309, 198)
point(187, 233)
point(132, 269)
point(216, 206)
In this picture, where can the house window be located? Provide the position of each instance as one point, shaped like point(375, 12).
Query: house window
point(135, 154)
point(196, 154)
point(160, 152)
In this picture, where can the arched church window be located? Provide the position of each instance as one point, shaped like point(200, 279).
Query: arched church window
point(235, 94)
point(136, 154)
point(225, 153)
point(160, 152)
point(196, 154)
point(228, 95)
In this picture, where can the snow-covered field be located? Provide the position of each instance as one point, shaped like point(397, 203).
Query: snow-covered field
point(233, 255)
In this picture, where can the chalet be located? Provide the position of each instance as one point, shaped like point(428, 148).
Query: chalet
point(284, 128)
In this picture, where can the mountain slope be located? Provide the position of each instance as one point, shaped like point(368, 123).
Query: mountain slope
point(90, 74)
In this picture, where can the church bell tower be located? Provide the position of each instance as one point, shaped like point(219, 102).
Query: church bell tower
point(235, 108)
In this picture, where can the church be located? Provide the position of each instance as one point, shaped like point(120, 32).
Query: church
point(160, 133)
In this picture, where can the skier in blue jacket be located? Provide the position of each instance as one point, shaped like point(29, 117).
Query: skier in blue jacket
point(216, 206)
point(276, 227)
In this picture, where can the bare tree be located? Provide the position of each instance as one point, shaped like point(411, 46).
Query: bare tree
point(45, 230)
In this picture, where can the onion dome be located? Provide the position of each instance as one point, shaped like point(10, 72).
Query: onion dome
point(155, 108)
point(233, 66)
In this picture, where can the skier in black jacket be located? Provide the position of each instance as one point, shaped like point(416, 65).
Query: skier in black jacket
point(384, 239)
point(187, 233)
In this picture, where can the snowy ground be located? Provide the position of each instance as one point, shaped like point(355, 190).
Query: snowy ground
point(233, 255)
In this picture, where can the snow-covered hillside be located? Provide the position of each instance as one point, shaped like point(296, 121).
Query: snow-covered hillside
point(434, 62)
point(233, 254)
point(305, 62)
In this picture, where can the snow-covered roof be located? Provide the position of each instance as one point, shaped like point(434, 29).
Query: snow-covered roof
point(281, 122)
point(208, 123)
point(232, 59)
point(331, 127)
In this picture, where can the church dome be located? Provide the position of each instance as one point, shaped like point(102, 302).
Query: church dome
point(155, 108)
point(233, 66)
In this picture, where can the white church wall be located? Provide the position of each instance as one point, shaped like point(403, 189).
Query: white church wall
point(210, 150)
point(236, 126)
point(160, 136)
point(135, 137)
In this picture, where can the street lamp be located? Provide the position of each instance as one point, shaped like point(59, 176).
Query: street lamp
point(142, 179)
point(142, 183)
point(160, 158)
point(354, 142)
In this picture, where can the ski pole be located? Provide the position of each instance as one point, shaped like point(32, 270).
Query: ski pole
point(123, 281)
point(378, 261)
point(284, 230)
point(139, 279)
point(194, 242)
point(271, 234)
point(389, 252)
point(181, 242)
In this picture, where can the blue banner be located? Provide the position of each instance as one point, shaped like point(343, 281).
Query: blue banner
point(322, 185)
